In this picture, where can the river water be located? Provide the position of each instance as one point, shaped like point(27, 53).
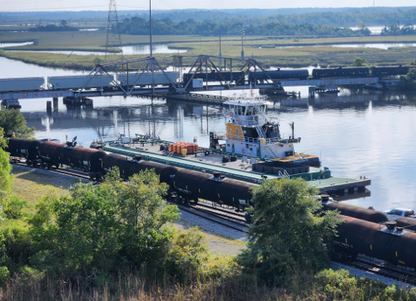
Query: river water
point(355, 134)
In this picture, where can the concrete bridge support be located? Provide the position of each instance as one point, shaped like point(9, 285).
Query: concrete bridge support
point(55, 104)
point(311, 93)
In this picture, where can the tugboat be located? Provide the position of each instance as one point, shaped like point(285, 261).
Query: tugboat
point(250, 132)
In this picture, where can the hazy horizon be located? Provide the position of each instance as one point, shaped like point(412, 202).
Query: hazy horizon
point(96, 5)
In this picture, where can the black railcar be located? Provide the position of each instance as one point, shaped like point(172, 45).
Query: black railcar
point(407, 223)
point(86, 159)
point(389, 243)
point(165, 172)
point(370, 215)
point(25, 148)
point(216, 76)
point(254, 76)
point(389, 70)
point(51, 153)
point(341, 72)
point(194, 185)
point(128, 167)
point(123, 163)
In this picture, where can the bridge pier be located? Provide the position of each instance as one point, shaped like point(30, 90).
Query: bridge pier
point(49, 107)
point(55, 104)
point(311, 93)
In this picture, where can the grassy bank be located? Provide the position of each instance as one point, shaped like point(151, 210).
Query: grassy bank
point(263, 49)
point(282, 57)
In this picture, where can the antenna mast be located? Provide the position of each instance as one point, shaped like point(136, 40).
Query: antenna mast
point(113, 32)
point(150, 23)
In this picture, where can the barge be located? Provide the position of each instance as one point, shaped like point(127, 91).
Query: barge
point(253, 150)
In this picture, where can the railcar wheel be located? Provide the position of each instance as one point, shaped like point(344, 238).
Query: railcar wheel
point(28, 163)
point(49, 166)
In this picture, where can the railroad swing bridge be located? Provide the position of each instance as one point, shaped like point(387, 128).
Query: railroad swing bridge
point(152, 79)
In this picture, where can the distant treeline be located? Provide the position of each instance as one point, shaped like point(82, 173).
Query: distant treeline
point(395, 29)
point(316, 23)
point(140, 26)
point(53, 27)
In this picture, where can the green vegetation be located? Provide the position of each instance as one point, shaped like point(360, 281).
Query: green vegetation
point(359, 62)
point(266, 50)
point(408, 82)
point(268, 26)
point(52, 27)
point(12, 121)
point(285, 210)
point(115, 241)
point(5, 176)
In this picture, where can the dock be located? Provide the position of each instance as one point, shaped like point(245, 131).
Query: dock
point(241, 169)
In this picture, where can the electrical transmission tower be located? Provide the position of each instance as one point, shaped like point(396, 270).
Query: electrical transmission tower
point(113, 33)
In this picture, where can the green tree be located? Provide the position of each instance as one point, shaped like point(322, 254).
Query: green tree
point(12, 121)
point(99, 229)
point(287, 233)
point(64, 23)
point(5, 168)
point(408, 82)
point(360, 61)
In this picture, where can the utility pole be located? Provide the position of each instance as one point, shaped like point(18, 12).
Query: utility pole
point(220, 46)
point(242, 43)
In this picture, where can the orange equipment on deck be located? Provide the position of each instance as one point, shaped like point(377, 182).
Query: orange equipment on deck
point(178, 148)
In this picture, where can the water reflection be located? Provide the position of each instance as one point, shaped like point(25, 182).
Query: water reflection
point(5, 45)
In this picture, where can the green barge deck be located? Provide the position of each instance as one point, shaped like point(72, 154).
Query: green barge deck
point(316, 177)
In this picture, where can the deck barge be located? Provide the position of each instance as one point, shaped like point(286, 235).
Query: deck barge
point(241, 169)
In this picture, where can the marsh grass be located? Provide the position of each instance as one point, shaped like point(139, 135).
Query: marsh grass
point(282, 57)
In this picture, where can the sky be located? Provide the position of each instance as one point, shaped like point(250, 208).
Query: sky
point(79, 5)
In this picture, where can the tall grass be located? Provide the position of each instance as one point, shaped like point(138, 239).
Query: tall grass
point(326, 285)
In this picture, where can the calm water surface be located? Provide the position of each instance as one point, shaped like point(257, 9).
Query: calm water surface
point(355, 134)
point(127, 50)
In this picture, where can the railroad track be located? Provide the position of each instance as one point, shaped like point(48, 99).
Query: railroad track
point(62, 171)
point(382, 268)
point(238, 216)
point(217, 218)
